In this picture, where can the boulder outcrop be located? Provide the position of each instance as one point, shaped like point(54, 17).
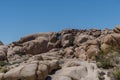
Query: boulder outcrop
point(70, 54)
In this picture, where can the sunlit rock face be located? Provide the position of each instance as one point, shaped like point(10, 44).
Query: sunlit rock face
point(70, 54)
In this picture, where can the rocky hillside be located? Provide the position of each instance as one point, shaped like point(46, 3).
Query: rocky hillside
point(66, 55)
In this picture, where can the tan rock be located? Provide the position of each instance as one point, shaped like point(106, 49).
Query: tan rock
point(79, 39)
point(67, 40)
point(43, 71)
point(1, 76)
point(71, 63)
point(13, 74)
point(15, 50)
point(93, 42)
point(61, 78)
point(80, 53)
point(53, 64)
point(69, 51)
point(36, 46)
point(112, 39)
point(29, 72)
point(34, 36)
point(92, 51)
point(23, 72)
point(32, 71)
point(117, 29)
point(81, 71)
point(73, 72)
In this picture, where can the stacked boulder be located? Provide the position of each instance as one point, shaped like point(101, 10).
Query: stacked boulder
point(58, 55)
point(111, 41)
point(36, 70)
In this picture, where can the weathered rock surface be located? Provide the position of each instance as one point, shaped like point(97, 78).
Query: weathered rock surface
point(77, 70)
point(31, 71)
point(71, 54)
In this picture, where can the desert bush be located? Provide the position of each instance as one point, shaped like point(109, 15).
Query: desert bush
point(3, 63)
point(116, 74)
point(106, 64)
point(103, 61)
point(4, 69)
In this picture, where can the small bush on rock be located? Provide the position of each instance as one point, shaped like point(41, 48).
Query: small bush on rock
point(116, 74)
point(3, 63)
point(106, 64)
point(4, 69)
point(104, 61)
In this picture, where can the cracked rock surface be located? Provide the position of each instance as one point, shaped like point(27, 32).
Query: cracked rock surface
point(70, 54)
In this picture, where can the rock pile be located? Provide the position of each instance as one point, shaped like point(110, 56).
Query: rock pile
point(70, 54)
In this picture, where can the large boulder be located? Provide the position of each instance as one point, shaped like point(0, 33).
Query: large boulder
point(77, 70)
point(27, 72)
point(34, 36)
point(36, 43)
point(36, 46)
point(112, 40)
point(42, 70)
point(31, 71)
point(73, 72)
point(88, 50)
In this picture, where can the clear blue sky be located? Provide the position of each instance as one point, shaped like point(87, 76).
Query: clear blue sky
point(22, 17)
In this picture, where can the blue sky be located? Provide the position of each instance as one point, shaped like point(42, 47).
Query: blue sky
point(23, 17)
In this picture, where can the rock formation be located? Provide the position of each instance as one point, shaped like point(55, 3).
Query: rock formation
point(70, 54)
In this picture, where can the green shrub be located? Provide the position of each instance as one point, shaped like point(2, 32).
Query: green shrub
point(116, 74)
point(105, 63)
point(4, 69)
point(105, 60)
point(3, 63)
